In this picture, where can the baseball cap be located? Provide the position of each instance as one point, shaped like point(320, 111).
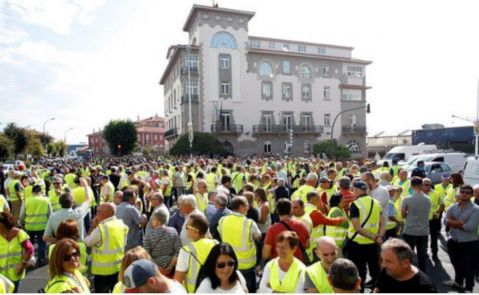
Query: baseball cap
point(138, 273)
point(445, 176)
point(360, 185)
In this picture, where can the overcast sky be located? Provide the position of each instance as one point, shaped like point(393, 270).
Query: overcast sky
point(85, 62)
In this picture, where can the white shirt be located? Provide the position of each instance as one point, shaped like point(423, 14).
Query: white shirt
point(264, 283)
point(381, 194)
point(239, 287)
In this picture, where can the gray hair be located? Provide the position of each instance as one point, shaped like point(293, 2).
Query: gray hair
point(158, 196)
point(399, 247)
point(428, 180)
point(160, 215)
point(312, 176)
point(281, 181)
point(221, 199)
point(189, 200)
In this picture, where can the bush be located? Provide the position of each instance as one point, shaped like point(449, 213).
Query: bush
point(332, 150)
point(203, 144)
point(121, 136)
point(6, 147)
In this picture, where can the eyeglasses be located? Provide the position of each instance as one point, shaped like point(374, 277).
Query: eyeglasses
point(222, 265)
point(192, 228)
point(75, 254)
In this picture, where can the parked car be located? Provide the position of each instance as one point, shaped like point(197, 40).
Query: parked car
point(434, 170)
point(455, 160)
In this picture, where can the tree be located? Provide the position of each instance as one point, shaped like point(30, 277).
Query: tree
point(18, 136)
point(35, 148)
point(332, 150)
point(61, 148)
point(121, 136)
point(203, 144)
point(5, 147)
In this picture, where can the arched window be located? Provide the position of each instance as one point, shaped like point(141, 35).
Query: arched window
point(265, 69)
point(305, 72)
point(223, 40)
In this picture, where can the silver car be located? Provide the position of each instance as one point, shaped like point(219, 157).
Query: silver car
point(434, 171)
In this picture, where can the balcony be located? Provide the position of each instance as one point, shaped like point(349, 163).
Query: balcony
point(171, 133)
point(193, 70)
point(194, 98)
point(232, 129)
point(350, 130)
point(283, 129)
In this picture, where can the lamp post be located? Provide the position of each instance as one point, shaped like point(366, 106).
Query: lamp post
point(44, 132)
point(65, 135)
point(368, 110)
point(188, 89)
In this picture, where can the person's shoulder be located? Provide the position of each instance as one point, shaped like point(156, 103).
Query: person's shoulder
point(425, 282)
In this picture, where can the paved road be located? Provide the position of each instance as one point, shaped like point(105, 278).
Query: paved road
point(439, 272)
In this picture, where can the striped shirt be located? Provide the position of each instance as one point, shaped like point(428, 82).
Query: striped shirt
point(162, 243)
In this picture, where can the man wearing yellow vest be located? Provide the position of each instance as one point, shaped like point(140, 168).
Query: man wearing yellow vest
point(212, 179)
point(107, 238)
point(437, 207)
point(241, 232)
point(366, 229)
point(55, 192)
point(15, 194)
point(107, 190)
point(201, 195)
point(309, 186)
point(238, 179)
point(316, 280)
point(34, 216)
point(193, 255)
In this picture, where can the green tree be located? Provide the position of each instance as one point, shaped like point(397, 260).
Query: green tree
point(52, 149)
point(332, 150)
point(61, 148)
point(203, 144)
point(35, 148)
point(18, 136)
point(6, 147)
point(121, 136)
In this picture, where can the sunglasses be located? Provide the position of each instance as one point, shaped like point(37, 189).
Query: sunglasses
point(69, 257)
point(222, 265)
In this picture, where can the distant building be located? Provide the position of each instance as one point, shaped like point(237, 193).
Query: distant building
point(150, 134)
point(456, 138)
point(381, 144)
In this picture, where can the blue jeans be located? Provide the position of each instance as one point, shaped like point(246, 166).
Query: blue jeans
point(37, 237)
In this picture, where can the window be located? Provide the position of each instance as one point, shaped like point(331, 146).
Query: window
point(266, 90)
point(192, 87)
point(225, 118)
point(224, 62)
point(225, 88)
point(327, 92)
point(306, 92)
point(223, 40)
point(287, 121)
point(356, 72)
point(325, 70)
point(305, 72)
point(271, 45)
point(265, 69)
point(301, 48)
point(192, 61)
point(267, 122)
point(286, 47)
point(267, 147)
point(321, 50)
point(327, 119)
point(306, 122)
point(286, 67)
point(307, 147)
point(287, 91)
point(255, 44)
point(351, 94)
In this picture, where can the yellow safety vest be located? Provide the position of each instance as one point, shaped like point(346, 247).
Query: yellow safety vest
point(301, 192)
point(27, 192)
point(290, 280)
point(11, 189)
point(6, 286)
point(119, 288)
point(11, 256)
point(54, 200)
point(80, 197)
point(111, 193)
point(319, 277)
point(229, 228)
point(70, 180)
point(329, 192)
point(201, 201)
point(83, 256)
point(210, 181)
point(372, 225)
point(188, 184)
point(237, 181)
point(451, 198)
point(406, 185)
point(36, 213)
point(441, 190)
point(339, 232)
point(106, 258)
point(67, 282)
point(167, 193)
point(390, 224)
point(436, 201)
point(198, 251)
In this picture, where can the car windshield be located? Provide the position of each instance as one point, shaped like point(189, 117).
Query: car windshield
point(394, 156)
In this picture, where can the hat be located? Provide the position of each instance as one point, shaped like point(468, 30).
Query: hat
point(360, 185)
point(445, 176)
point(323, 180)
point(138, 273)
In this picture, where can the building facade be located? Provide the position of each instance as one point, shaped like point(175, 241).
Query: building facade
point(262, 95)
point(151, 133)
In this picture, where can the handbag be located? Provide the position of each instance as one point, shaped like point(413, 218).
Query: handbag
point(348, 241)
point(306, 259)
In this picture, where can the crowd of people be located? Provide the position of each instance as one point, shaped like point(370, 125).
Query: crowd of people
point(234, 225)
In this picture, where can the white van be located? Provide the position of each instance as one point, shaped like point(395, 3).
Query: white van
point(471, 171)
point(403, 153)
point(455, 160)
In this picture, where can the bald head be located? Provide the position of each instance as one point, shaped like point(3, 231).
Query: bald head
point(327, 251)
point(106, 210)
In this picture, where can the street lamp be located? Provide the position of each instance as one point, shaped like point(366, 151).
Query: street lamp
point(188, 89)
point(65, 135)
point(368, 110)
point(45, 123)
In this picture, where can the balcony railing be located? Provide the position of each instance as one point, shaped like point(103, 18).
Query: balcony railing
point(219, 128)
point(280, 128)
point(194, 98)
point(361, 130)
point(171, 133)
point(184, 70)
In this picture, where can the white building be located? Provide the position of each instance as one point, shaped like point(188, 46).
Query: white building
point(262, 94)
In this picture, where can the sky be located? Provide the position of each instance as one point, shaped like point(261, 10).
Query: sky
point(85, 62)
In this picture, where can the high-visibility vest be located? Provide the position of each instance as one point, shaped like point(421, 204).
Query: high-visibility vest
point(210, 181)
point(201, 201)
point(229, 228)
point(54, 200)
point(106, 258)
point(198, 251)
point(6, 285)
point(80, 197)
point(3, 202)
point(451, 196)
point(11, 256)
point(441, 190)
point(329, 192)
point(390, 224)
point(406, 185)
point(237, 181)
point(291, 278)
point(435, 202)
point(36, 213)
point(27, 192)
point(319, 277)
point(301, 193)
point(395, 169)
point(188, 184)
point(65, 283)
point(111, 192)
point(11, 189)
point(70, 180)
point(338, 233)
point(372, 225)
point(83, 256)
point(119, 288)
point(167, 192)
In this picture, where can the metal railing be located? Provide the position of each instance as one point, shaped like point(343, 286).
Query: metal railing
point(281, 128)
point(354, 130)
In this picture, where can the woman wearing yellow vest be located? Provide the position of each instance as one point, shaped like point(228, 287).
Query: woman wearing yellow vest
point(285, 273)
point(193, 255)
point(339, 232)
point(15, 249)
point(68, 229)
point(131, 256)
point(64, 273)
